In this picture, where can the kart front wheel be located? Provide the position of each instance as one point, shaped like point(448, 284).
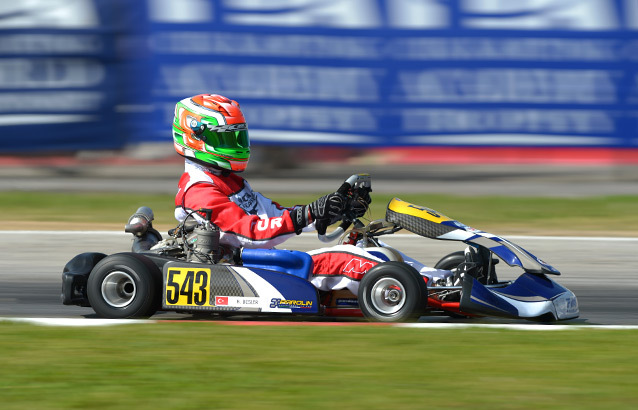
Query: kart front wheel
point(451, 261)
point(392, 292)
point(124, 286)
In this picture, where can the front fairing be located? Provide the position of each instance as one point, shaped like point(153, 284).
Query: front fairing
point(429, 223)
point(529, 297)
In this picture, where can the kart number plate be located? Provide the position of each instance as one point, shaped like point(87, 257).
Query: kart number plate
point(187, 287)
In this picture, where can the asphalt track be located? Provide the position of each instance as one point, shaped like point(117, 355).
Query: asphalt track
point(600, 271)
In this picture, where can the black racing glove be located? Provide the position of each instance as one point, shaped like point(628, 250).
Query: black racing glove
point(324, 212)
point(329, 207)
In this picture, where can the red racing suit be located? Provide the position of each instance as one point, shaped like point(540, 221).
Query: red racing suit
point(247, 218)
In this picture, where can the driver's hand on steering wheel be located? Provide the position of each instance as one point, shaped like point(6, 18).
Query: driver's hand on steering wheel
point(329, 207)
point(323, 212)
point(327, 210)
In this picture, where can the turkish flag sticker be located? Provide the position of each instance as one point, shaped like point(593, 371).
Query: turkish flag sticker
point(221, 300)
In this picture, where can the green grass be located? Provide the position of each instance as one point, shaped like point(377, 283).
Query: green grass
point(591, 215)
point(207, 365)
point(81, 207)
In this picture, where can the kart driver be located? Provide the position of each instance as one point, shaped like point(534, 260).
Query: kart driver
point(210, 132)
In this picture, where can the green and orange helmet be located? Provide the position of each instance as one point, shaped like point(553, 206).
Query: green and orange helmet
point(211, 129)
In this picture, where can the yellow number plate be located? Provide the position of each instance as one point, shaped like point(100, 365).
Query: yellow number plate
point(422, 212)
point(187, 287)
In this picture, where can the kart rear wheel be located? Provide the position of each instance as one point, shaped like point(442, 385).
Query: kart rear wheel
point(124, 285)
point(392, 292)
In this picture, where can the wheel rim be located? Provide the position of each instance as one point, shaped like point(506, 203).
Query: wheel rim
point(118, 289)
point(388, 296)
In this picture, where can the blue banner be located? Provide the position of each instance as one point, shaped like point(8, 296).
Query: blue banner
point(105, 73)
point(403, 72)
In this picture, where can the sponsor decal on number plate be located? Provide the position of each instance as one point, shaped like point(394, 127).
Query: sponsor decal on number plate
point(236, 301)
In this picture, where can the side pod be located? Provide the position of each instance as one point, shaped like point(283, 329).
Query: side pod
point(281, 260)
point(75, 275)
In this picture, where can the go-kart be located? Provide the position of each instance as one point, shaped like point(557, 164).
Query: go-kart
point(189, 273)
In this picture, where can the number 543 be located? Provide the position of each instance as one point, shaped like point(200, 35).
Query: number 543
point(187, 287)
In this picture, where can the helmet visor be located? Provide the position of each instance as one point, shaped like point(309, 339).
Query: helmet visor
point(227, 139)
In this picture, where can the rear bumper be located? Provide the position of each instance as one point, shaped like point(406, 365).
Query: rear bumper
point(75, 276)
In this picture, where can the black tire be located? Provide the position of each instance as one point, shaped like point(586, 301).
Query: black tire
point(124, 285)
point(454, 259)
point(392, 292)
point(451, 261)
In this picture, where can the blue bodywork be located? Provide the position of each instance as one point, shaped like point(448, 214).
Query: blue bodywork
point(529, 296)
point(295, 263)
point(292, 288)
point(510, 253)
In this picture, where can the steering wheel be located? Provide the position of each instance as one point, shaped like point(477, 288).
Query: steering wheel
point(358, 186)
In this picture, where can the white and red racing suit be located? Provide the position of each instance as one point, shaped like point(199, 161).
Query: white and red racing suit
point(247, 218)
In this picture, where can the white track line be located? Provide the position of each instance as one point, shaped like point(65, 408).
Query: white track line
point(513, 326)
point(399, 235)
point(507, 326)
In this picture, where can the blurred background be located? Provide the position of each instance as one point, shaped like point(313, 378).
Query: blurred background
point(454, 89)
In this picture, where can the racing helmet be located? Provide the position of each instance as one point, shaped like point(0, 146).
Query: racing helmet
point(211, 129)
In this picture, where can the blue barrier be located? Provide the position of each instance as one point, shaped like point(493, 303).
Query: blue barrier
point(353, 72)
point(59, 76)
